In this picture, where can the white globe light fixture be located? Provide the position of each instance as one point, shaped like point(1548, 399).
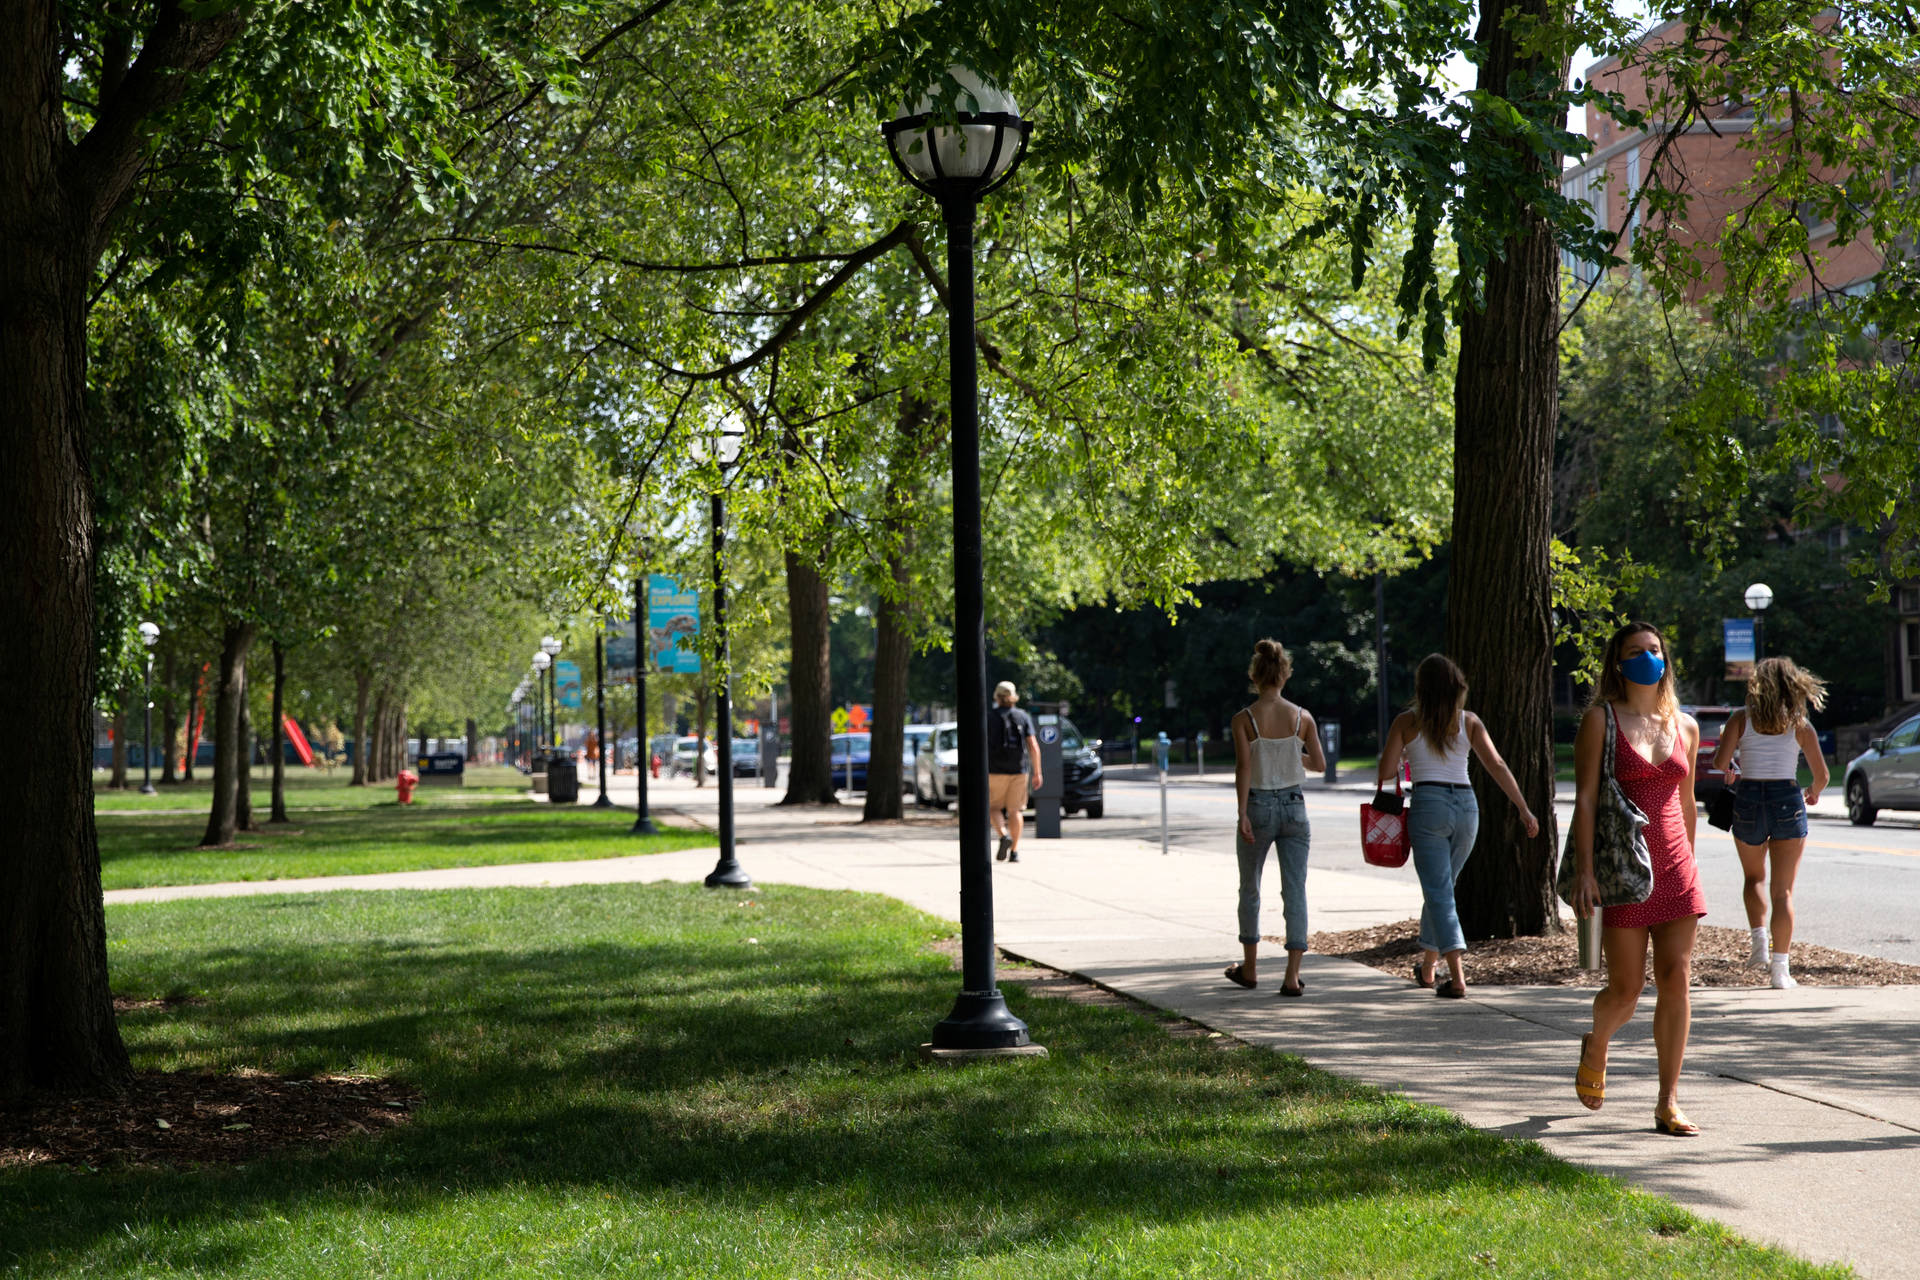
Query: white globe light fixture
point(550, 646)
point(149, 634)
point(966, 153)
point(1759, 596)
point(542, 660)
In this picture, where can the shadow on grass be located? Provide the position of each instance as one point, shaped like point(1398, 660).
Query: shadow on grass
point(661, 1042)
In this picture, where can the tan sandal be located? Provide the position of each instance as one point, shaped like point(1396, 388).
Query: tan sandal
point(1589, 1085)
point(1675, 1124)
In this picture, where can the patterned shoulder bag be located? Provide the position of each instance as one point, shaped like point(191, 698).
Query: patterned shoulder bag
point(1621, 863)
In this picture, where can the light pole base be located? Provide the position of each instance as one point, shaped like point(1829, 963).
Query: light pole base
point(603, 802)
point(643, 827)
point(958, 1057)
point(729, 874)
point(149, 790)
point(981, 1020)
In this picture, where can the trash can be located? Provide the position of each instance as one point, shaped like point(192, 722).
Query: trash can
point(563, 780)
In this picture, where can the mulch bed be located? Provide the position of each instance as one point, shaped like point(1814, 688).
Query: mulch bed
point(1719, 960)
point(185, 1119)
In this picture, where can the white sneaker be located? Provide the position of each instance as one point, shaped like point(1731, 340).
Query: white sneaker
point(1780, 978)
point(1761, 951)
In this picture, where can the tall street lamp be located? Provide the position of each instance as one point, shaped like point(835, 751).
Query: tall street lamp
point(727, 873)
point(541, 661)
point(149, 636)
point(1759, 596)
point(957, 157)
point(642, 654)
point(600, 708)
point(550, 645)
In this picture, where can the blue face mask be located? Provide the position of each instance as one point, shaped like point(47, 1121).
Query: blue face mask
point(1644, 668)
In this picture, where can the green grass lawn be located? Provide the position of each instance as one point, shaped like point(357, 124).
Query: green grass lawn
point(155, 849)
point(663, 1081)
point(306, 789)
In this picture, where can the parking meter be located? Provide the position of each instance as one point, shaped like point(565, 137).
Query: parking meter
point(1330, 747)
point(1200, 753)
point(1046, 796)
point(769, 754)
point(1162, 754)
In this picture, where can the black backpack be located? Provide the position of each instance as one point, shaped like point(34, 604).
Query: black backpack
point(1006, 752)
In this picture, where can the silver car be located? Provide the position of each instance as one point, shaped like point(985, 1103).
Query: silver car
point(1886, 775)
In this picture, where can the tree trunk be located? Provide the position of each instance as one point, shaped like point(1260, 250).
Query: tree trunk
point(277, 750)
point(195, 727)
point(1500, 588)
point(700, 702)
point(169, 721)
point(809, 685)
point(221, 818)
point(892, 649)
point(473, 742)
point(398, 747)
point(243, 780)
point(362, 687)
point(56, 1012)
point(377, 739)
point(117, 757)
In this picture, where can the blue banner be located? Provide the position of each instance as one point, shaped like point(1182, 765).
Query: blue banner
point(673, 624)
point(620, 653)
point(566, 682)
point(1738, 633)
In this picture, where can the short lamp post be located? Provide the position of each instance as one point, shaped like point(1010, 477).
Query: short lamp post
point(642, 655)
point(957, 156)
point(550, 645)
point(727, 873)
point(149, 636)
point(541, 661)
point(600, 712)
point(1759, 596)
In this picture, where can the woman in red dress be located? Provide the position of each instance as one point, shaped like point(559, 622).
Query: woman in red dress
point(1655, 746)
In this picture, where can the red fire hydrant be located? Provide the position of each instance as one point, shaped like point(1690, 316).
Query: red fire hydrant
point(656, 764)
point(403, 784)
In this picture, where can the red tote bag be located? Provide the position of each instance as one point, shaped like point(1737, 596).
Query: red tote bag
point(1383, 833)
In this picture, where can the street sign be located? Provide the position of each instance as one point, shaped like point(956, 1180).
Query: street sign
point(1738, 636)
point(673, 619)
point(566, 682)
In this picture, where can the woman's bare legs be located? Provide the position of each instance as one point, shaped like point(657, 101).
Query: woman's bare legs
point(1672, 1004)
point(1753, 893)
point(1786, 865)
point(1626, 955)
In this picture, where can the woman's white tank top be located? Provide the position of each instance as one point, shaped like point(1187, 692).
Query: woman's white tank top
point(1768, 757)
point(1440, 766)
point(1275, 764)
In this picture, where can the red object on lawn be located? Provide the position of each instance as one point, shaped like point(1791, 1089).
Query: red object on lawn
point(301, 747)
point(403, 784)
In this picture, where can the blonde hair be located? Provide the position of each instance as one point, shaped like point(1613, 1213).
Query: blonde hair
point(1780, 693)
point(1439, 692)
point(1270, 666)
point(1613, 685)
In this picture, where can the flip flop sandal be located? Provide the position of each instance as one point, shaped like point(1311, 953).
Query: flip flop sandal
point(1299, 988)
point(1675, 1125)
point(1237, 975)
point(1450, 990)
point(1588, 1083)
point(1425, 983)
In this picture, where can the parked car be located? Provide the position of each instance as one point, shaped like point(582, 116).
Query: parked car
point(746, 758)
point(851, 751)
point(1713, 720)
point(682, 759)
point(936, 773)
point(918, 738)
point(1886, 775)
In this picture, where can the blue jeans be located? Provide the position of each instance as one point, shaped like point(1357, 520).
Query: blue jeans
point(1768, 810)
point(1441, 826)
point(1278, 818)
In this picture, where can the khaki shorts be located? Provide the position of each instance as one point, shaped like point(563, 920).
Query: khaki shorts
point(1006, 791)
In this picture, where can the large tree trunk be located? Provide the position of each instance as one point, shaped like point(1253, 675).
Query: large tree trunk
point(56, 1013)
point(1500, 587)
point(221, 815)
point(169, 721)
point(809, 685)
point(195, 724)
point(277, 750)
point(362, 689)
point(893, 648)
point(377, 739)
point(117, 756)
point(243, 780)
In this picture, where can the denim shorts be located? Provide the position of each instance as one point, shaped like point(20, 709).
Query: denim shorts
point(1773, 810)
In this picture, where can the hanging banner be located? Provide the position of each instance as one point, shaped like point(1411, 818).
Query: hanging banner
point(566, 682)
point(620, 648)
point(673, 619)
point(1738, 634)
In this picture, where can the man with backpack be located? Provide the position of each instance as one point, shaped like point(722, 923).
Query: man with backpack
point(1011, 749)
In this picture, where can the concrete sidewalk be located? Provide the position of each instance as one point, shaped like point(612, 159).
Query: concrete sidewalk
point(1810, 1099)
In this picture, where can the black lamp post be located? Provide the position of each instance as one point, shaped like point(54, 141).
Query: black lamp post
point(957, 158)
point(642, 655)
point(1759, 596)
point(600, 710)
point(541, 661)
point(727, 873)
point(149, 636)
point(550, 645)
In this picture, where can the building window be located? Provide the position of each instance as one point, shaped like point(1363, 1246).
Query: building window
point(1909, 600)
point(1586, 186)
